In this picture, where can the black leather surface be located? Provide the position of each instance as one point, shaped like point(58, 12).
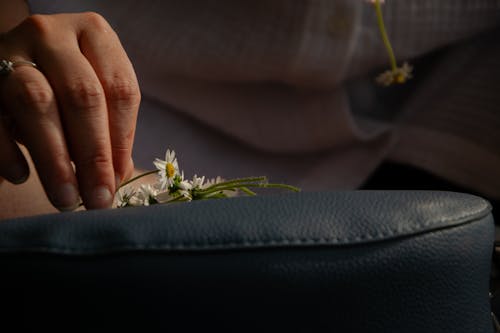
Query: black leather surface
point(309, 262)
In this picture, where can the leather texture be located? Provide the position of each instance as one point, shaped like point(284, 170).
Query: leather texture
point(356, 261)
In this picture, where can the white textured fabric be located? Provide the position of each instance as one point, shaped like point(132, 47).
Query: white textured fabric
point(268, 76)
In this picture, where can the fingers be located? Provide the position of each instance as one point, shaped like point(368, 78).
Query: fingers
point(33, 107)
point(81, 107)
point(13, 166)
point(84, 116)
point(103, 49)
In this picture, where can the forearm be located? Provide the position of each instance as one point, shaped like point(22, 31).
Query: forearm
point(13, 12)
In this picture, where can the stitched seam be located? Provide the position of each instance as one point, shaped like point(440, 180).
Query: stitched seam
point(401, 231)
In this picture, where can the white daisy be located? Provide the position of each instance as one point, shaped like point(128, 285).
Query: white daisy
point(399, 75)
point(197, 182)
point(386, 78)
point(180, 188)
point(125, 197)
point(185, 188)
point(147, 195)
point(168, 169)
point(213, 181)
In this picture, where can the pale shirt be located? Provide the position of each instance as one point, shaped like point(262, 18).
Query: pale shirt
point(285, 88)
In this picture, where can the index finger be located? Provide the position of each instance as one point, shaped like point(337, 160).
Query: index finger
point(102, 47)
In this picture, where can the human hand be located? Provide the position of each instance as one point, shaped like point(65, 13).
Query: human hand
point(78, 106)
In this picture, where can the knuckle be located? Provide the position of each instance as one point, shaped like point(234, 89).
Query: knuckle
point(122, 139)
point(129, 136)
point(123, 92)
point(84, 94)
point(122, 149)
point(35, 97)
point(39, 25)
point(98, 160)
point(96, 20)
point(121, 158)
point(60, 172)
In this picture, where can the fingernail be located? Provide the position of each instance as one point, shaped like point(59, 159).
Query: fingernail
point(101, 198)
point(17, 174)
point(67, 197)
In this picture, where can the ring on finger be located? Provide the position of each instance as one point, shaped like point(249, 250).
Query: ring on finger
point(7, 66)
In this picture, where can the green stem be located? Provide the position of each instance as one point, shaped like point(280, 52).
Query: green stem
point(180, 198)
point(385, 37)
point(282, 186)
point(136, 178)
point(225, 188)
point(237, 181)
point(248, 191)
point(244, 187)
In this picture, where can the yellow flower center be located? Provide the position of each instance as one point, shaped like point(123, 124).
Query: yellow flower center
point(170, 170)
point(400, 78)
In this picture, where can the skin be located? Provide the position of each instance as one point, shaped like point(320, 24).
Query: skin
point(74, 116)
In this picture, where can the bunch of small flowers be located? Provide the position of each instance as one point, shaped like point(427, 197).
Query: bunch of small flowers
point(395, 75)
point(171, 186)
